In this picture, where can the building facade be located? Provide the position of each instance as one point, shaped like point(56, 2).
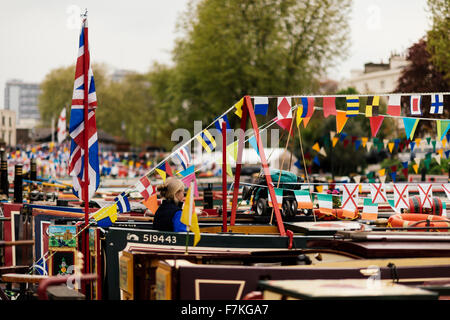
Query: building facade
point(8, 127)
point(377, 77)
point(22, 98)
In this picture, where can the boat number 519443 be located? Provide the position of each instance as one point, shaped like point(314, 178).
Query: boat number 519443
point(154, 238)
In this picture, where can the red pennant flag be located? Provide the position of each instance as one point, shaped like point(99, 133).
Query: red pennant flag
point(394, 169)
point(329, 106)
point(375, 124)
point(405, 172)
point(346, 142)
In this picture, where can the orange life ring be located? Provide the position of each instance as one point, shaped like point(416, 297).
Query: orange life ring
point(405, 220)
point(334, 214)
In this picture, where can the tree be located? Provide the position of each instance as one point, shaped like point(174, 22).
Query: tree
point(438, 44)
point(421, 75)
point(232, 48)
point(57, 91)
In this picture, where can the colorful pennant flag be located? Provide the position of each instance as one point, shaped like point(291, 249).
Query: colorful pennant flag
point(401, 196)
point(341, 120)
point(278, 196)
point(164, 169)
point(370, 210)
point(123, 205)
point(284, 113)
point(106, 216)
point(410, 126)
point(378, 193)
point(329, 106)
point(152, 203)
point(426, 195)
point(437, 103)
point(145, 188)
point(442, 127)
point(375, 124)
point(218, 123)
point(189, 216)
point(207, 140)
point(394, 106)
point(316, 147)
point(261, 105)
point(306, 109)
point(372, 106)
point(238, 107)
point(183, 155)
point(325, 202)
point(303, 198)
point(352, 106)
point(350, 196)
point(253, 143)
point(414, 104)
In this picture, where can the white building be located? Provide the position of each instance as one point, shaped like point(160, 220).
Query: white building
point(22, 98)
point(8, 127)
point(377, 77)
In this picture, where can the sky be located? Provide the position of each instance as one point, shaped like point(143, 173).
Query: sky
point(38, 36)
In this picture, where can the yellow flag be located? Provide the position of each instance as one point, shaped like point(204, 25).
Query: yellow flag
point(188, 215)
point(335, 140)
point(416, 168)
point(238, 107)
point(381, 172)
point(391, 146)
point(299, 118)
point(162, 173)
point(364, 141)
point(316, 147)
point(110, 211)
point(232, 150)
point(320, 189)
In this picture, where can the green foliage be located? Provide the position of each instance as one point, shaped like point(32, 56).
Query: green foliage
point(438, 43)
point(233, 48)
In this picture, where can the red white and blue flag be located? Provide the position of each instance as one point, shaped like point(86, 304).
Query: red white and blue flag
point(78, 128)
point(184, 156)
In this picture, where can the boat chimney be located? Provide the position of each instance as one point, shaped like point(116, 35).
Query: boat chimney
point(33, 170)
point(18, 183)
point(4, 183)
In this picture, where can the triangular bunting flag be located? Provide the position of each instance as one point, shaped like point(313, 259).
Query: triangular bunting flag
point(341, 120)
point(410, 126)
point(375, 124)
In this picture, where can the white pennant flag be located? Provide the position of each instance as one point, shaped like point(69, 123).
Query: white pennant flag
point(62, 127)
point(426, 195)
point(350, 196)
point(378, 192)
point(446, 188)
point(401, 196)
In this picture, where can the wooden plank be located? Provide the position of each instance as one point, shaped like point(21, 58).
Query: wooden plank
point(22, 278)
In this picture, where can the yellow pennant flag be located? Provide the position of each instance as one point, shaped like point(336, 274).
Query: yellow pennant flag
point(299, 118)
point(162, 173)
point(110, 211)
point(381, 172)
point(417, 140)
point(335, 140)
point(316, 147)
point(444, 142)
point(320, 189)
point(232, 150)
point(238, 107)
point(188, 215)
point(364, 141)
point(391, 146)
point(441, 151)
point(416, 168)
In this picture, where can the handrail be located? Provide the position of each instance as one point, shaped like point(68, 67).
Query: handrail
point(55, 280)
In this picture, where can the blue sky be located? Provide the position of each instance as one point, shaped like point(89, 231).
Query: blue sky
point(37, 36)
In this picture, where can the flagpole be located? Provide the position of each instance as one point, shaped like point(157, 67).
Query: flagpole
point(86, 61)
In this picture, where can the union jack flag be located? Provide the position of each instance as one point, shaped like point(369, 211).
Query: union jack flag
point(77, 128)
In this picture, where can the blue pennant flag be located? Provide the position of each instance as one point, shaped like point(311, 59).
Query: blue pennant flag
point(253, 143)
point(299, 165)
point(123, 205)
point(261, 105)
point(357, 144)
point(219, 122)
point(405, 164)
point(316, 160)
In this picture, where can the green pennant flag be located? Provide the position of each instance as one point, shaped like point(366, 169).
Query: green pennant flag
point(410, 126)
point(442, 128)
